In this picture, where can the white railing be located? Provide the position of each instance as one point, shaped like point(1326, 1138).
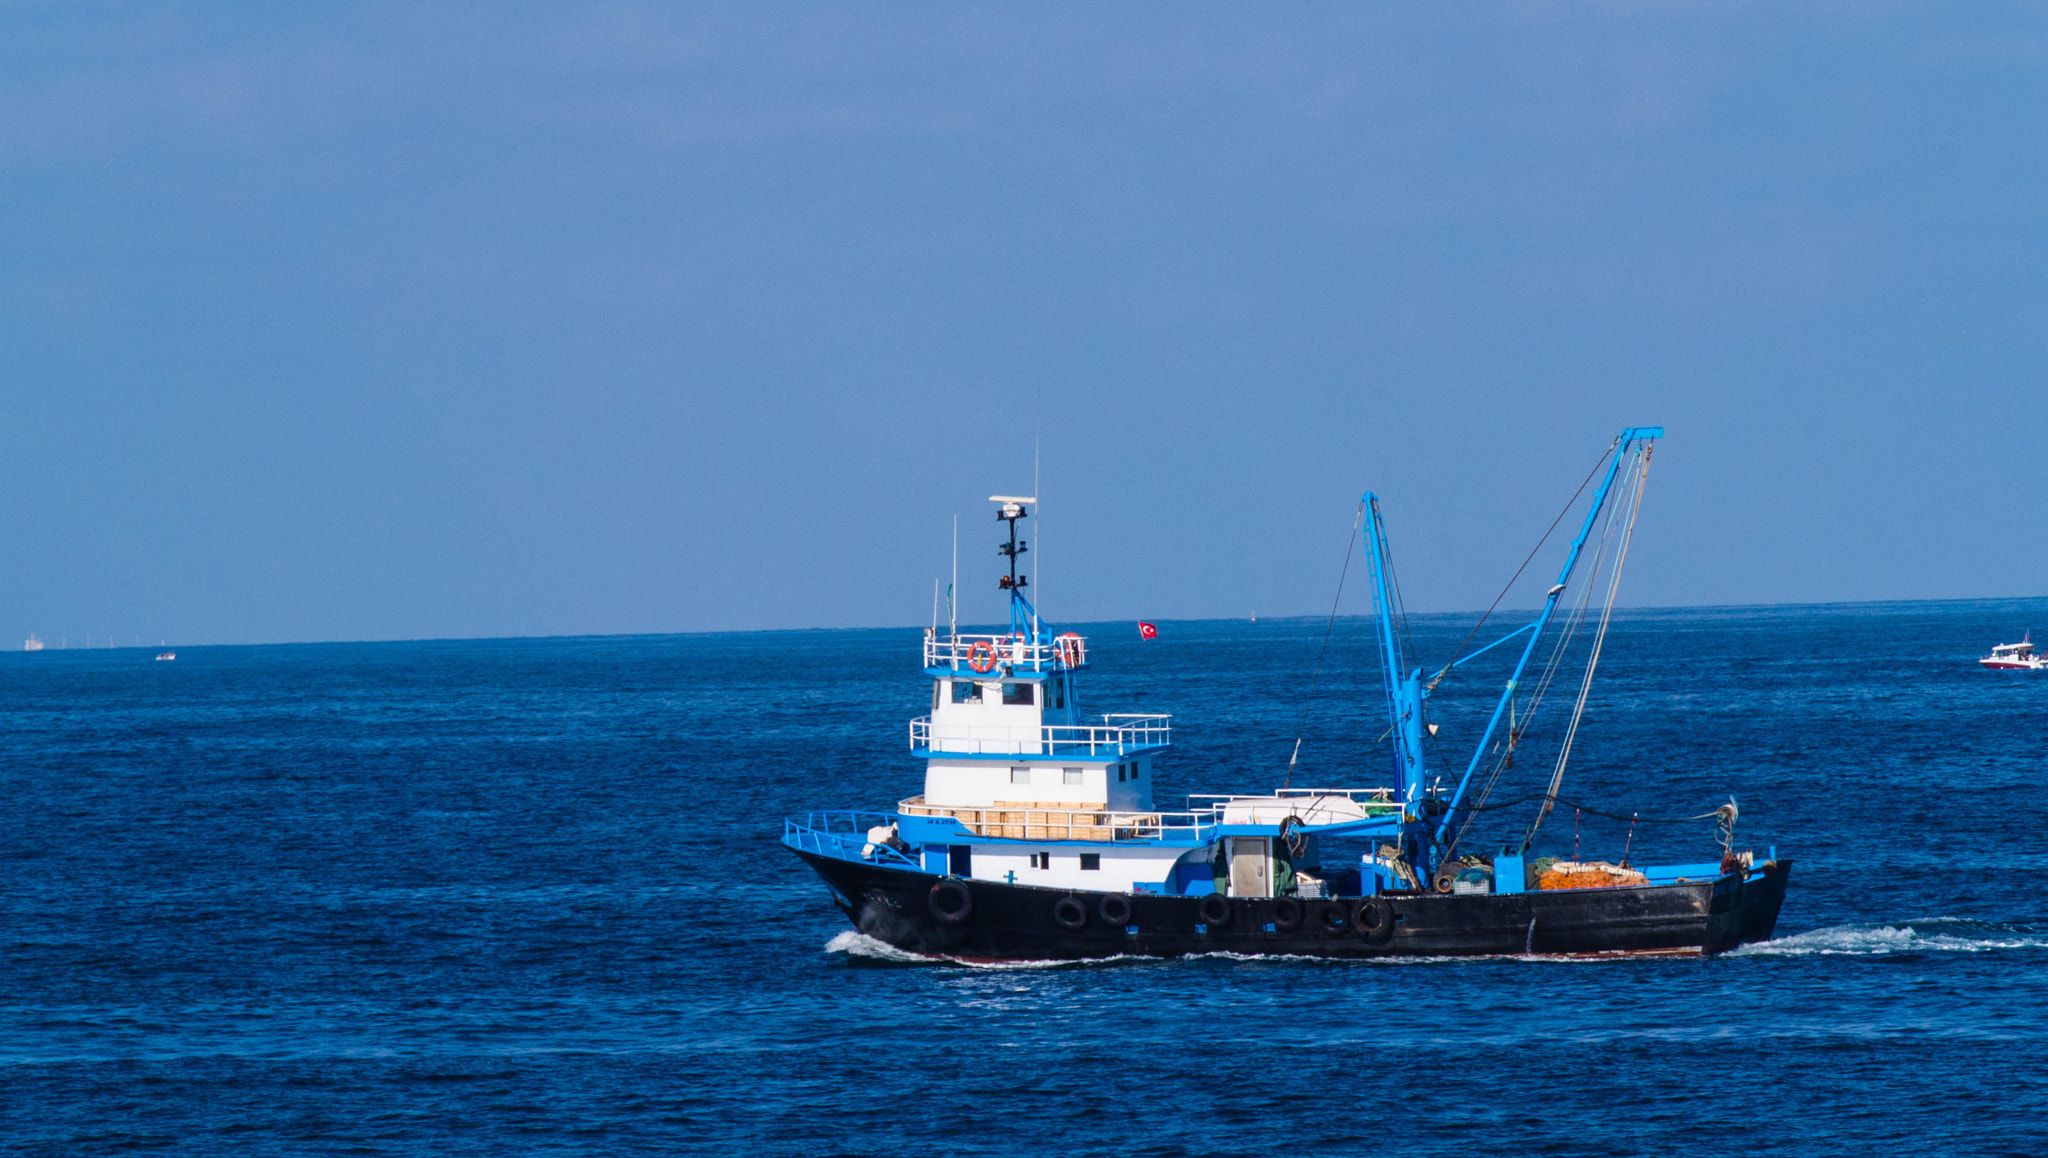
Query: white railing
point(1117, 734)
point(1023, 822)
point(984, 654)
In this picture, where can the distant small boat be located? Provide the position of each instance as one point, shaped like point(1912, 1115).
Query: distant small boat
point(33, 643)
point(166, 655)
point(2019, 656)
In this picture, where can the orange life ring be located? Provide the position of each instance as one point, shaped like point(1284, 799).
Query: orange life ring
point(982, 656)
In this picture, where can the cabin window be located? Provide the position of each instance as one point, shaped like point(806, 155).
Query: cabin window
point(965, 691)
point(1056, 691)
point(1091, 861)
point(1134, 769)
point(1041, 860)
point(1119, 773)
point(1025, 694)
point(936, 690)
point(1020, 775)
point(1070, 775)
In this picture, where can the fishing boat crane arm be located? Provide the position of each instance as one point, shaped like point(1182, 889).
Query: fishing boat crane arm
point(1405, 694)
point(1403, 702)
point(1406, 723)
point(1625, 442)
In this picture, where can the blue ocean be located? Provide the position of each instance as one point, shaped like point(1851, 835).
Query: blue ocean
point(526, 897)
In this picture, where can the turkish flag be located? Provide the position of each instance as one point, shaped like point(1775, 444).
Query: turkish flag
point(1147, 631)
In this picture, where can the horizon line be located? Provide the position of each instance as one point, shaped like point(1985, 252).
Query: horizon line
point(1497, 613)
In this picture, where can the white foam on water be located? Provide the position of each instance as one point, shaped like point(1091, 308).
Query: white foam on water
point(1927, 935)
point(857, 944)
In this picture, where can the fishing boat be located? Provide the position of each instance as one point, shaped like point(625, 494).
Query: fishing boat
point(1037, 835)
point(2019, 656)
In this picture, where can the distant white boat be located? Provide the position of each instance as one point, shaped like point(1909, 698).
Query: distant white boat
point(33, 643)
point(167, 655)
point(2019, 656)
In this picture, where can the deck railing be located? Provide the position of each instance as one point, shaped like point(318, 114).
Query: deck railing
point(1023, 822)
point(1118, 734)
point(997, 652)
point(843, 835)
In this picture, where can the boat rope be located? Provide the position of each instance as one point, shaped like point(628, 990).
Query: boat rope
point(1458, 652)
point(1539, 690)
point(1316, 679)
point(1589, 810)
point(1634, 503)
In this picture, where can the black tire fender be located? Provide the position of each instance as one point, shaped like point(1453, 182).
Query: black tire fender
point(951, 901)
point(1114, 909)
point(1286, 914)
point(1069, 912)
point(1214, 909)
point(1373, 918)
point(1334, 916)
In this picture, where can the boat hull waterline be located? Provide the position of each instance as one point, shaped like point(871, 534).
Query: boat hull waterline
point(1009, 922)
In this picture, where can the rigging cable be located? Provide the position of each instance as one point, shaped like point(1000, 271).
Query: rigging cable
point(1541, 688)
point(1567, 509)
point(1592, 811)
point(1564, 754)
point(1316, 679)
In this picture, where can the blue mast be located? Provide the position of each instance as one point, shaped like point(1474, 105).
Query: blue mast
point(1403, 685)
point(1424, 822)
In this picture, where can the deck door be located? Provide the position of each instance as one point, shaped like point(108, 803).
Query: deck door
point(1251, 868)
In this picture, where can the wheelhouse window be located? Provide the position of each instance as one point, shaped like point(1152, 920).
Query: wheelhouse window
point(966, 691)
point(1134, 769)
point(1070, 775)
point(1020, 693)
point(1119, 773)
point(1020, 775)
point(1091, 861)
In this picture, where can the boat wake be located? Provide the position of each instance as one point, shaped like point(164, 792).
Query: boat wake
point(852, 943)
point(1927, 935)
point(860, 948)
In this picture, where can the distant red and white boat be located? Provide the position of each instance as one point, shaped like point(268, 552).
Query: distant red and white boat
point(2015, 656)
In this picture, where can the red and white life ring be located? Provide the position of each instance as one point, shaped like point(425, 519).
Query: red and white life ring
point(982, 656)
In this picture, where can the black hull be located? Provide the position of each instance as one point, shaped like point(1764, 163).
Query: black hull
point(1007, 922)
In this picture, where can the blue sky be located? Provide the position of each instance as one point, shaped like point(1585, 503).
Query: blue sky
point(388, 321)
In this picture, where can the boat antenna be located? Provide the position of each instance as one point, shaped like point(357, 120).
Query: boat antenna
point(1037, 568)
point(952, 610)
point(1350, 542)
point(935, 605)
